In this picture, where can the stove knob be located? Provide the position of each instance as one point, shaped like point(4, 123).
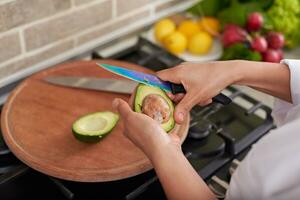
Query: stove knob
point(218, 187)
point(234, 165)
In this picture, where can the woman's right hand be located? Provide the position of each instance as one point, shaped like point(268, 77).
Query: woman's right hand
point(201, 81)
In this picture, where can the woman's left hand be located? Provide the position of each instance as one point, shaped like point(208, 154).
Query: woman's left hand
point(143, 131)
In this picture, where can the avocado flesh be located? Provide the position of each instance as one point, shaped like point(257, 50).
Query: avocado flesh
point(94, 126)
point(143, 91)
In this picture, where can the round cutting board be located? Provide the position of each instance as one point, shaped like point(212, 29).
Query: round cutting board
point(37, 119)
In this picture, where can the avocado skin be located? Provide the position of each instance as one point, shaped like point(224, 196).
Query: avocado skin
point(88, 138)
point(144, 90)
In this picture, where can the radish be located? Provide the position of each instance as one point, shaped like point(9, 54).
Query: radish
point(259, 44)
point(275, 40)
point(254, 21)
point(272, 55)
point(233, 34)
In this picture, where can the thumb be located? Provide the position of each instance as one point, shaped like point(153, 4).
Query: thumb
point(122, 107)
point(184, 107)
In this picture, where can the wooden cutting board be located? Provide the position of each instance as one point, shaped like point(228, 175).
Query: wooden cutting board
point(37, 118)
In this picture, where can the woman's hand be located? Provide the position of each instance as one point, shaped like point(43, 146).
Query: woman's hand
point(143, 131)
point(201, 81)
point(178, 177)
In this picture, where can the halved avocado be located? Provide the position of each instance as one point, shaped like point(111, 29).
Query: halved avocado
point(154, 102)
point(94, 126)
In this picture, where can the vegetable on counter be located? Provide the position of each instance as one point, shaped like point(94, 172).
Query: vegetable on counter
point(252, 45)
point(254, 22)
point(233, 34)
point(229, 11)
point(284, 16)
point(240, 51)
point(254, 29)
point(94, 126)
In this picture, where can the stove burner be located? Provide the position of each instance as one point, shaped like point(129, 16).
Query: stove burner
point(200, 129)
point(207, 147)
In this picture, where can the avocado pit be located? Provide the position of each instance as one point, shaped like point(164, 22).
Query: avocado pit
point(156, 107)
point(154, 102)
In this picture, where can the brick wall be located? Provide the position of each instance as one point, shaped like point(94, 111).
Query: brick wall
point(38, 32)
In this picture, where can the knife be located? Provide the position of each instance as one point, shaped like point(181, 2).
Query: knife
point(153, 80)
point(100, 84)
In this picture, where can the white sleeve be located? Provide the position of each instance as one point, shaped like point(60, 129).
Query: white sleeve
point(282, 108)
point(270, 170)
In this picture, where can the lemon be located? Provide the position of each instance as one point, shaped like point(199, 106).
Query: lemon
point(200, 43)
point(176, 42)
point(163, 28)
point(210, 25)
point(188, 28)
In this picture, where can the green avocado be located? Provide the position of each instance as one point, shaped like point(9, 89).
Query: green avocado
point(154, 102)
point(94, 126)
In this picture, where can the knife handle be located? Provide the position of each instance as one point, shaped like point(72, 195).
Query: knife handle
point(220, 98)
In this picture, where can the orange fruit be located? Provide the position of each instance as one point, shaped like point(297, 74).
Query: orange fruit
point(200, 43)
point(176, 42)
point(188, 28)
point(163, 28)
point(210, 25)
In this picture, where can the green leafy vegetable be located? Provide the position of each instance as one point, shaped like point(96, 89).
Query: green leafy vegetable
point(229, 11)
point(240, 51)
point(237, 12)
point(208, 7)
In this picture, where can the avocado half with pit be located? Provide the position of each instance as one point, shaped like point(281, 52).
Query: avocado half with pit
point(154, 102)
point(94, 126)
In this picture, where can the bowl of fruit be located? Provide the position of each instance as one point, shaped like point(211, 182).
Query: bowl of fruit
point(192, 39)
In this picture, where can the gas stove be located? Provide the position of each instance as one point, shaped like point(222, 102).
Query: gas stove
point(218, 139)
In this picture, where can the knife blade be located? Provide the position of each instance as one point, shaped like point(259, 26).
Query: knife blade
point(153, 80)
point(140, 77)
point(100, 84)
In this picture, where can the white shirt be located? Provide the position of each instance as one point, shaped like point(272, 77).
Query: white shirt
point(271, 170)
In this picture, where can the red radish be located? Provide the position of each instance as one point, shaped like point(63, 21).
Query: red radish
point(275, 40)
point(233, 34)
point(272, 55)
point(281, 55)
point(259, 44)
point(254, 21)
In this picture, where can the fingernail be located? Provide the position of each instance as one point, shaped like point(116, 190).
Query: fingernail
point(180, 116)
point(170, 95)
point(115, 103)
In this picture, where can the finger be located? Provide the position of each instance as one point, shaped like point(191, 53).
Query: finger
point(175, 97)
point(178, 97)
point(184, 107)
point(122, 107)
point(204, 103)
point(170, 95)
point(168, 75)
point(132, 98)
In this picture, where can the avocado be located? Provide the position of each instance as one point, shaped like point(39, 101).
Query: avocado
point(94, 126)
point(154, 102)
